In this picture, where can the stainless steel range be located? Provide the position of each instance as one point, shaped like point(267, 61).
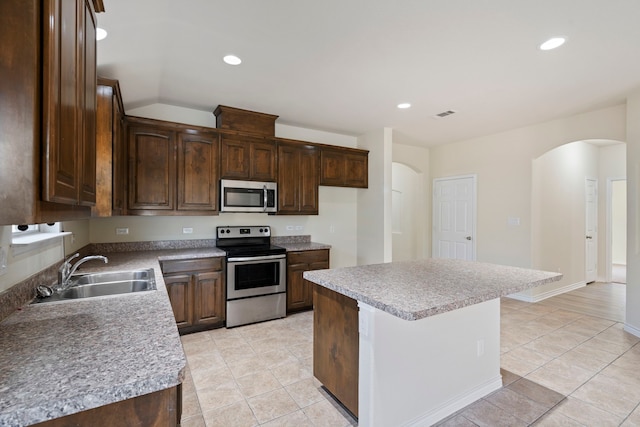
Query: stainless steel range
point(256, 274)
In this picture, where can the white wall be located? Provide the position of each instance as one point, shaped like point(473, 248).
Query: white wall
point(417, 158)
point(558, 214)
point(632, 323)
point(619, 222)
point(503, 164)
point(374, 204)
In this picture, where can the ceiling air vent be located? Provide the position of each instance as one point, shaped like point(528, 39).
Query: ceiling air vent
point(444, 114)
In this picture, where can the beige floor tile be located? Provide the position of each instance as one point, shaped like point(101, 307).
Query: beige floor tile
point(544, 396)
point(254, 384)
point(484, 413)
point(197, 421)
point(294, 419)
point(633, 420)
point(305, 392)
point(236, 350)
point(271, 405)
point(247, 365)
point(222, 394)
point(197, 337)
point(516, 404)
point(549, 346)
point(586, 414)
point(325, 414)
point(211, 377)
point(302, 350)
point(277, 357)
point(237, 415)
point(607, 394)
point(290, 372)
point(628, 378)
point(578, 358)
point(205, 361)
point(190, 405)
point(192, 348)
point(556, 419)
point(560, 376)
point(522, 361)
point(456, 421)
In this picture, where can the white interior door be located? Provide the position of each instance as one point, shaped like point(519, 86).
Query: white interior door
point(454, 219)
point(591, 230)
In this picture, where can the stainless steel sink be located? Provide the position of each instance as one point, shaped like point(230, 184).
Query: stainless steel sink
point(89, 285)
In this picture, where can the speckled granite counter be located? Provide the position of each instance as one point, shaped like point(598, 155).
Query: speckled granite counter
point(450, 356)
point(413, 290)
point(65, 357)
point(298, 243)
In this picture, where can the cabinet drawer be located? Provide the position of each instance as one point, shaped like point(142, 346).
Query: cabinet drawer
point(308, 257)
point(189, 265)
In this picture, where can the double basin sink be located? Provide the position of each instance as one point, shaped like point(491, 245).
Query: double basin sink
point(87, 285)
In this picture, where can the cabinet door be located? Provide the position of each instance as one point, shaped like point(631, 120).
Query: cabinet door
point(356, 173)
point(197, 171)
point(297, 290)
point(178, 288)
point(309, 181)
point(288, 179)
point(119, 155)
point(88, 110)
point(234, 159)
point(262, 161)
point(209, 298)
point(151, 169)
point(61, 100)
point(331, 168)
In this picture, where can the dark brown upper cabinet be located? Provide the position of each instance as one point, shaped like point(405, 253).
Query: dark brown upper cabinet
point(48, 101)
point(298, 170)
point(173, 168)
point(110, 152)
point(344, 167)
point(247, 158)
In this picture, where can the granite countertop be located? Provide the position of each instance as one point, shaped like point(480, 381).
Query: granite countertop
point(413, 290)
point(303, 246)
point(64, 357)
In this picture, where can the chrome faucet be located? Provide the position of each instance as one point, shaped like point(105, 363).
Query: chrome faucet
point(66, 270)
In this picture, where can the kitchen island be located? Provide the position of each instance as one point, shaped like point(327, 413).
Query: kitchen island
point(409, 343)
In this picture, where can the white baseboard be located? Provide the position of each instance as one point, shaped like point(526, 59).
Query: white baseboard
point(521, 296)
point(632, 329)
point(456, 404)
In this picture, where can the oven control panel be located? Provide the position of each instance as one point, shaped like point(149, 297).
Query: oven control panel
point(235, 231)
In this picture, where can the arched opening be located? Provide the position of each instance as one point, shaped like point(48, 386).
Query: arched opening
point(407, 210)
point(571, 215)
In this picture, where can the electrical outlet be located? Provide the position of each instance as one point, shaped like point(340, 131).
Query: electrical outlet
point(332, 229)
point(187, 230)
point(299, 227)
point(480, 346)
point(289, 227)
point(122, 230)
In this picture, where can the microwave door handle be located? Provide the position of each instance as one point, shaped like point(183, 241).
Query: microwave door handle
point(264, 192)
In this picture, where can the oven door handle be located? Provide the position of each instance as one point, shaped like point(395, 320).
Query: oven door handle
point(256, 258)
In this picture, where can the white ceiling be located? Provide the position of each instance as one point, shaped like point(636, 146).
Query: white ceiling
point(344, 65)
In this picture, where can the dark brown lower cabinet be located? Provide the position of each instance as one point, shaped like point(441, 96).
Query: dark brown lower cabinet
point(336, 345)
point(160, 409)
point(299, 291)
point(196, 293)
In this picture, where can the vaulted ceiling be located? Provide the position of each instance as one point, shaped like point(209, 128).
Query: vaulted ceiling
point(344, 65)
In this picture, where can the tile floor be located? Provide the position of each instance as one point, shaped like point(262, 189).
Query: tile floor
point(560, 368)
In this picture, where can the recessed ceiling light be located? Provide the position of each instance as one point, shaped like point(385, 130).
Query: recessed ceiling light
point(404, 105)
point(552, 43)
point(232, 60)
point(101, 33)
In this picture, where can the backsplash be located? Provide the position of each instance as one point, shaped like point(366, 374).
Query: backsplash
point(279, 240)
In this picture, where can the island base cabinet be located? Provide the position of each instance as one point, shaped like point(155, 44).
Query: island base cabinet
point(159, 409)
point(336, 345)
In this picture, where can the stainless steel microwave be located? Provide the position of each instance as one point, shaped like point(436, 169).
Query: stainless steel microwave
point(248, 196)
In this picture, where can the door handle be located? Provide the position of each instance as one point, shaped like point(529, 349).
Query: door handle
point(468, 237)
point(589, 237)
